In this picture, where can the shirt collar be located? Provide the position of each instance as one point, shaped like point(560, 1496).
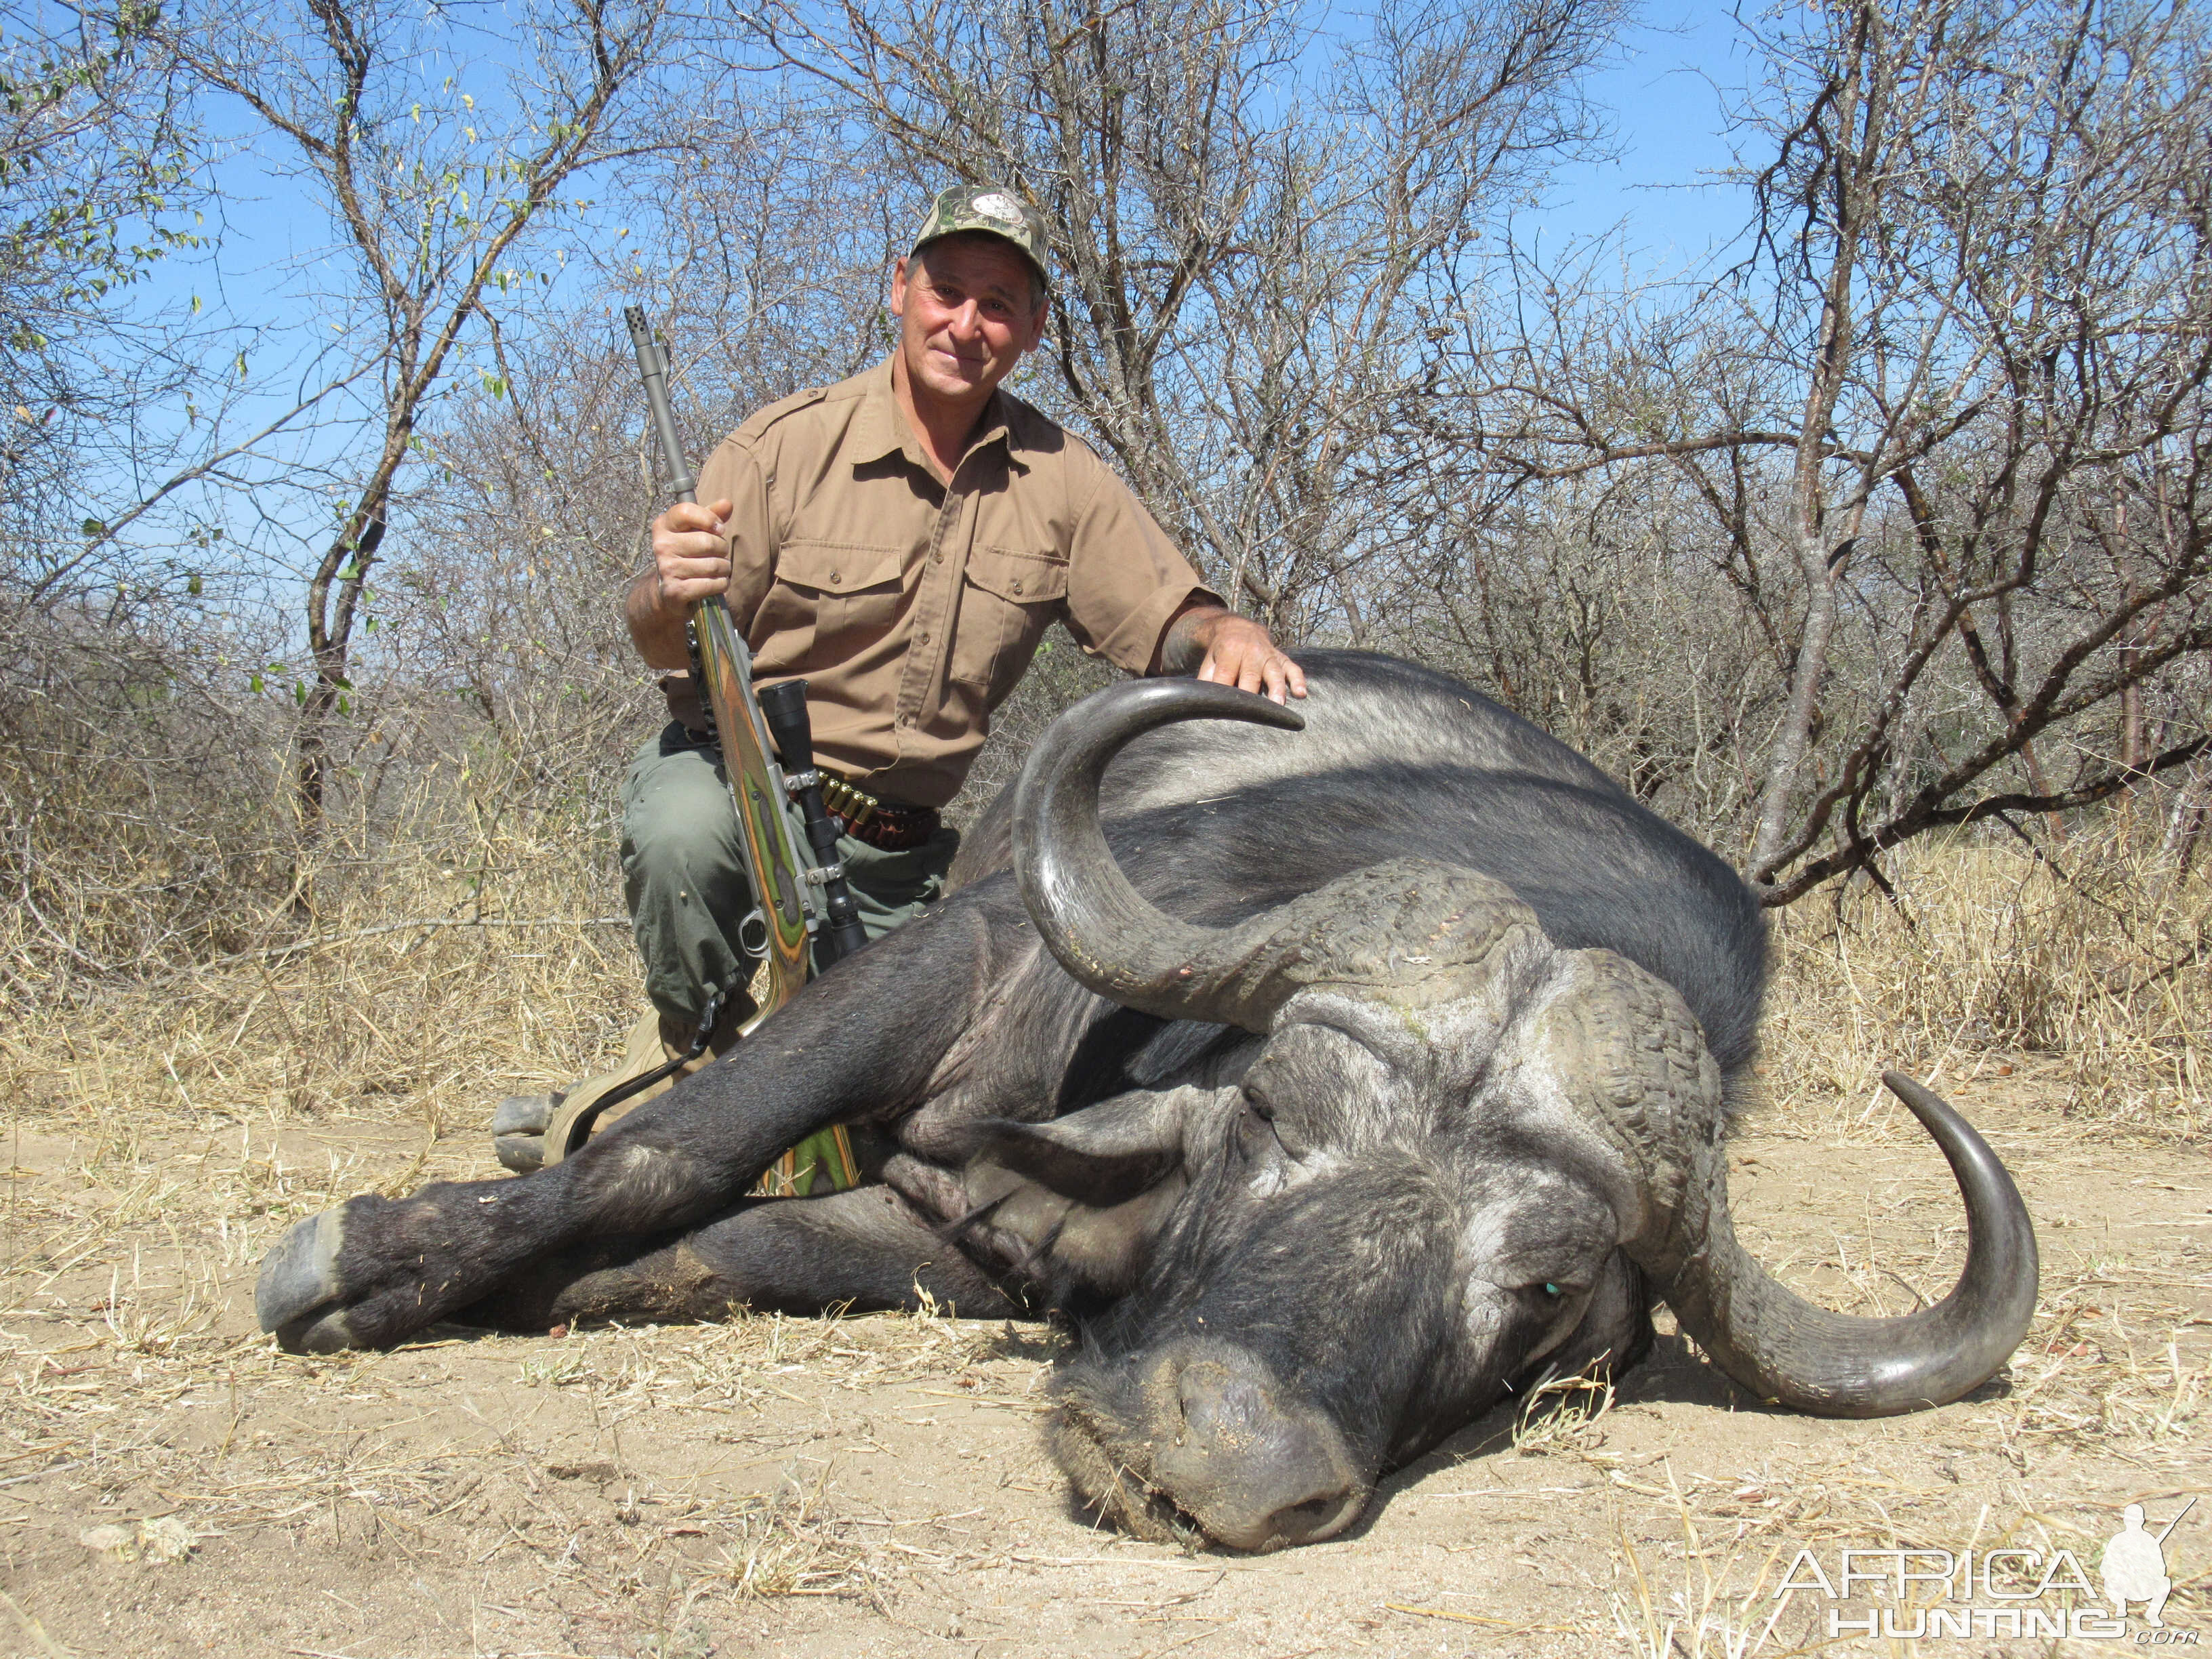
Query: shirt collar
point(881, 430)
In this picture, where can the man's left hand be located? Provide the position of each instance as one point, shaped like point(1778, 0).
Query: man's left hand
point(1239, 652)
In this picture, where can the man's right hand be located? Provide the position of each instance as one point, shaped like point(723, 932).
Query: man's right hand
point(690, 553)
point(690, 562)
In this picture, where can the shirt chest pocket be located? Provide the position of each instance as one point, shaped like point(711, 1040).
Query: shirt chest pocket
point(1008, 599)
point(842, 597)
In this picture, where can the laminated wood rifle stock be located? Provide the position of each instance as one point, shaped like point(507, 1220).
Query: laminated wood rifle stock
point(721, 668)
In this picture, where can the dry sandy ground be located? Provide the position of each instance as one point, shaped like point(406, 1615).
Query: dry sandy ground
point(876, 1484)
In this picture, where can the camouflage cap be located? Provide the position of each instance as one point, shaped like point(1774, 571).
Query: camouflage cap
point(994, 211)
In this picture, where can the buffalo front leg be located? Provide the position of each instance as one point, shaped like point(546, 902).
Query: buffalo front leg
point(865, 1250)
point(861, 1041)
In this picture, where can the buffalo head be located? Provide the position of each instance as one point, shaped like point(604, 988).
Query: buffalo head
point(1460, 1156)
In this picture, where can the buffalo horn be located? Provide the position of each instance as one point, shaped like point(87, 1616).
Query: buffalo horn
point(1786, 1350)
point(1105, 932)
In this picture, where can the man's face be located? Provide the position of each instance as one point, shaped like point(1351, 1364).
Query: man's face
point(968, 308)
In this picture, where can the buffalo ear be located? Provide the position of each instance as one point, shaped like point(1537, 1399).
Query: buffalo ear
point(1101, 1156)
point(1085, 1195)
point(1068, 1242)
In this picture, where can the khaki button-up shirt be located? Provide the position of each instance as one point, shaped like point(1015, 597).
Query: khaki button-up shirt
point(911, 604)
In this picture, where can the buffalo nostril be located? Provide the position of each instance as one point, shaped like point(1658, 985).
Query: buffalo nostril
point(1243, 1518)
point(1324, 1513)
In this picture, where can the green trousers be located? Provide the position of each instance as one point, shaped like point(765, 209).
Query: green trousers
point(683, 875)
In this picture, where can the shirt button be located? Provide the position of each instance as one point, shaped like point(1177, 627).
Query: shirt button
point(1018, 587)
point(835, 579)
point(937, 558)
point(923, 638)
point(906, 719)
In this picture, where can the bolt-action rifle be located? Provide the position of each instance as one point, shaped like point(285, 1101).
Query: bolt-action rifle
point(721, 672)
point(787, 915)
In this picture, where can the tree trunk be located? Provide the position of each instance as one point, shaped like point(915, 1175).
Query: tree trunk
point(1851, 183)
point(333, 604)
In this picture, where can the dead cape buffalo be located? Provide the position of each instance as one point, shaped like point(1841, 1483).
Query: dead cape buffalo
point(1336, 1078)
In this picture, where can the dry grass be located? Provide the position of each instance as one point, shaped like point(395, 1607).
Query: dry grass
point(423, 993)
point(1563, 1414)
point(2091, 969)
point(1719, 1607)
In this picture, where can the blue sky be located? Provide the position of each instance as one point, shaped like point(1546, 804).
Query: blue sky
point(1663, 91)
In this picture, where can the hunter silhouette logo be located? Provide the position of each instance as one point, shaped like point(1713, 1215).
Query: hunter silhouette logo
point(2134, 1565)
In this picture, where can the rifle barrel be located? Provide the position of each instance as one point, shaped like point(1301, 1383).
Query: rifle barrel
point(652, 369)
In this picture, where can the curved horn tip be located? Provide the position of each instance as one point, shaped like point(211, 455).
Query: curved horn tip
point(1916, 1095)
point(1231, 703)
point(1271, 713)
point(1780, 1347)
point(1936, 1115)
point(2001, 1234)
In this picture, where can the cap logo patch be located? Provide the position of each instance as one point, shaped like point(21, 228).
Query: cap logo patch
point(1001, 208)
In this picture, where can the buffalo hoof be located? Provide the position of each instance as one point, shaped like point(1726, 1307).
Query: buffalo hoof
point(299, 1284)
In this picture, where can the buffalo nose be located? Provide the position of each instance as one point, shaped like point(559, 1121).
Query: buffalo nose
point(1257, 1473)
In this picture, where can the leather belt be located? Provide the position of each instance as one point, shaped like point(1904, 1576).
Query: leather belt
point(859, 814)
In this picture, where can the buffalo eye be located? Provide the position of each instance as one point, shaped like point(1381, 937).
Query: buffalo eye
point(1550, 1294)
point(1259, 1136)
point(1254, 1130)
